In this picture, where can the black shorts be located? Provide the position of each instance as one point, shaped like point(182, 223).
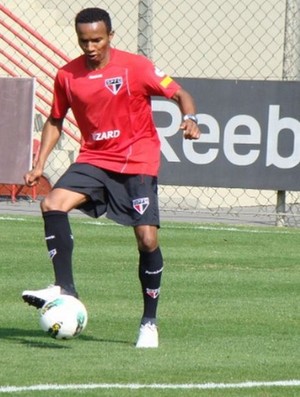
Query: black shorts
point(130, 200)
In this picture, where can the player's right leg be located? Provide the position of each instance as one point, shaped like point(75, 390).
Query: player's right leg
point(59, 241)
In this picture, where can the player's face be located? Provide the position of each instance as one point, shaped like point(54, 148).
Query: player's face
point(94, 40)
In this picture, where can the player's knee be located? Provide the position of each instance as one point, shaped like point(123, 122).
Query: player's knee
point(147, 239)
point(46, 205)
point(147, 243)
point(50, 204)
point(147, 247)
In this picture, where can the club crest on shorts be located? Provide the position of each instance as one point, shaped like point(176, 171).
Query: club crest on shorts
point(141, 204)
point(114, 84)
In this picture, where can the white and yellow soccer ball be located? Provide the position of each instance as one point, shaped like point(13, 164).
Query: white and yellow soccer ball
point(65, 317)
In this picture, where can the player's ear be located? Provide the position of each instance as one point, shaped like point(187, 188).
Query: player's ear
point(111, 35)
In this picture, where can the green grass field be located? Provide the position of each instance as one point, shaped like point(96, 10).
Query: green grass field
point(229, 313)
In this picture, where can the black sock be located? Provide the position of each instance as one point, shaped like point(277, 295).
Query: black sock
point(150, 272)
point(59, 240)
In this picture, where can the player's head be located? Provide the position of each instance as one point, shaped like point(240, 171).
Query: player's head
point(94, 14)
point(94, 33)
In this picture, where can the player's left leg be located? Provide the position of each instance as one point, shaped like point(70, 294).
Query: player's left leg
point(150, 272)
point(133, 201)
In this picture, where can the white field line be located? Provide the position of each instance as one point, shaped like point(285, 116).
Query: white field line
point(186, 227)
point(9, 218)
point(134, 386)
point(203, 227)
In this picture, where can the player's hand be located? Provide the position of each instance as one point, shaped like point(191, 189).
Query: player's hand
point(190, 129)
point(33, 176)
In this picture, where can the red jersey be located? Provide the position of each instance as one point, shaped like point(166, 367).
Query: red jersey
point(112, 107)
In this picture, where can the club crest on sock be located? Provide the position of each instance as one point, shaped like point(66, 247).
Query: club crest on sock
point(153, 292)
point(52, 253)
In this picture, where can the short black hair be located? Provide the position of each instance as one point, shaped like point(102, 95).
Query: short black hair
point(94, 14)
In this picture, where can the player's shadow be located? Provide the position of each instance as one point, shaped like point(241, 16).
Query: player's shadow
point(36, 338)
point(29, 337)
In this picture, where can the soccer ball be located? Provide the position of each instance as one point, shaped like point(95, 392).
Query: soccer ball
point(64, 317)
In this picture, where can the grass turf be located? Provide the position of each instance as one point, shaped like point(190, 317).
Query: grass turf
point(229, 310)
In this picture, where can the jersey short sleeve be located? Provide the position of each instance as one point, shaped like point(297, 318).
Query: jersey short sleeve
point(60, 103)
point(157, 82)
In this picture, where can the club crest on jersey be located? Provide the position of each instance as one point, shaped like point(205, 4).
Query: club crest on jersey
point(141, 204)
point(114, 84)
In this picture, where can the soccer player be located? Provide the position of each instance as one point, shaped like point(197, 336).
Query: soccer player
point(109, 92)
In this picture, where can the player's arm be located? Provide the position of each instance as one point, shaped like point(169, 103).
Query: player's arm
point(50, 136)
point(187, 106)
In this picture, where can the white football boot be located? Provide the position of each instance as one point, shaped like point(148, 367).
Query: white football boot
point(39, 297)
point(148, 336)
